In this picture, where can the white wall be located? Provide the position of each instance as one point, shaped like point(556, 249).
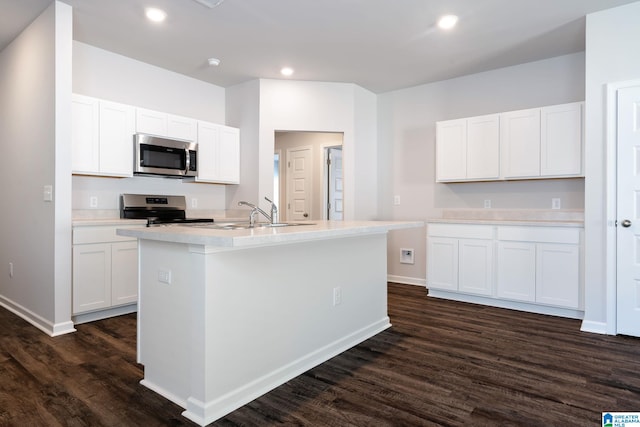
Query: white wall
point(106, 75)
point(35, 129)
point(611, 56)
point(324, 107)
point(407, 148)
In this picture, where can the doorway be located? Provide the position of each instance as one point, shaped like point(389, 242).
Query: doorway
point(301, 174)
point(623, 208)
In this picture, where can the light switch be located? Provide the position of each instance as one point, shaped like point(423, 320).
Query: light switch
point(47, 193)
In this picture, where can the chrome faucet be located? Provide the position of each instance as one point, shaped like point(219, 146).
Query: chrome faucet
point(273, 218)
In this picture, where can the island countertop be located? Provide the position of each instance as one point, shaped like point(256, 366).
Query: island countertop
point(214, 236)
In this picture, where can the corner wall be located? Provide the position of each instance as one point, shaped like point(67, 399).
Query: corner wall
point(407, 149)
point(35, 129)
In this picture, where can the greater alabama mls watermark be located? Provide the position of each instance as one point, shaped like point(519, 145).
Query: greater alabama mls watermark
point(621, 419)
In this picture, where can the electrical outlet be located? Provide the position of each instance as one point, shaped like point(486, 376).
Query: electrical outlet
point(555, 203)
point(164, 276)
point(194, 203)
point(47, 193)
point(406, 256)
point(396, 200)
point(487, 204)
point(337, 296)
point(93, 202)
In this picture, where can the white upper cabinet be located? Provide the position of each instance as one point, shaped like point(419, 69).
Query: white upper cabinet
point(102, 137)
point(116, 138)
point(520, 138)
point(164, 124)
point(451, 150)
point(535, 143)
point(151, 122)
point(218, 153)
point(483, 147)
point(561, 140)
point(85, 131)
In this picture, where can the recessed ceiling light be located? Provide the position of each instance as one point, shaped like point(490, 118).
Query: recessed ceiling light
point(156, 15)
point(214, 62)
point(447, 22)
point(286, 71)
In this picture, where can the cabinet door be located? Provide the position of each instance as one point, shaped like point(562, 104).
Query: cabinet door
point(181, 127)
point(475, 273)
point(124, 273)
point(85, 148)
point(558, 275)
point(520, 142)
point(442, 263)
point(516, 278)
point(451, 148)
point(561, 140)
point(229, 155)
point(91, 277)
point(151, 122)
point(208, 138)
point(483, 147)
point(116, 138)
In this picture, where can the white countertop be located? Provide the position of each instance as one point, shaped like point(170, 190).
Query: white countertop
point(511, 222)
point(316, 230)
point(90, 222)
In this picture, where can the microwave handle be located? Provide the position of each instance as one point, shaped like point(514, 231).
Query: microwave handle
point(188, 162)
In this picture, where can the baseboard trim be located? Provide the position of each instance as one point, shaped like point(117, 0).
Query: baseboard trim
point(405, 280)
point(49, 328)
point(594, 327)
point(105, 314)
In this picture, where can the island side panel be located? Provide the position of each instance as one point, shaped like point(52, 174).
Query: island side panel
point(254, 318)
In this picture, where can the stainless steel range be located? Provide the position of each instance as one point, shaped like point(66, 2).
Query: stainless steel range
point(157, 209)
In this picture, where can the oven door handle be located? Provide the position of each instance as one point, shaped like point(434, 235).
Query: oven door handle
point(188, 161)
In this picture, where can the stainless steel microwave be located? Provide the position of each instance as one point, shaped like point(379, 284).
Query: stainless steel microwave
point(155, 155)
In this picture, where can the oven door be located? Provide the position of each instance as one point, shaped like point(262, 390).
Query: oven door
point(162, 156)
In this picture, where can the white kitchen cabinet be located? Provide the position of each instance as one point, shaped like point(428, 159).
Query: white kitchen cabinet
point(540, 264)
point(105, 269)
point(475, 266)
point(483, 147)
point(535, 268)
point(520, 143)
point(166, 125)
point(468, 149)
point(516, 275)
point(460, 258)
point(85, 134)
point(451, 150)
point(561, 140)
point(218, 153)
point(102, 137)
point(442, 263)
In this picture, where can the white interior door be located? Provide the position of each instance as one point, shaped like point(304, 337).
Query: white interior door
point(628, 209)
point(299, 170)
point(335, 205)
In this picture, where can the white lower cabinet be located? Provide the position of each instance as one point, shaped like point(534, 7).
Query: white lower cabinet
point(105, 269)
point(463, 261)
point(535, 265)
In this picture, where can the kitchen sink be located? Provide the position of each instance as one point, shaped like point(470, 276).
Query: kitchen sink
point(246, 226)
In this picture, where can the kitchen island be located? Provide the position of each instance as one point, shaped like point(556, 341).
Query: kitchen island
point(226, 315)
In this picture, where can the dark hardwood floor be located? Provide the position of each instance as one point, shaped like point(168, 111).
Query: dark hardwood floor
point(442, 363)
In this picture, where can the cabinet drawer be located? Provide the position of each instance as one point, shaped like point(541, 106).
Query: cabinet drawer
point(540, 234)
point(461, 231)
point(99, 234)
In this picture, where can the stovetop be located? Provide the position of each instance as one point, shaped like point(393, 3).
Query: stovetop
point(157, 209)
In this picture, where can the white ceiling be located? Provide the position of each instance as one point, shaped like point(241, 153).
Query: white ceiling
point(381, 45)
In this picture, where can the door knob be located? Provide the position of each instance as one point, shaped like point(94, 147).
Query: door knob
point(625, 223)
point(306, 215)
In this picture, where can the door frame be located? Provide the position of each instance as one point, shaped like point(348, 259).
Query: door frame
point(611, 163)
point(325, 176)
